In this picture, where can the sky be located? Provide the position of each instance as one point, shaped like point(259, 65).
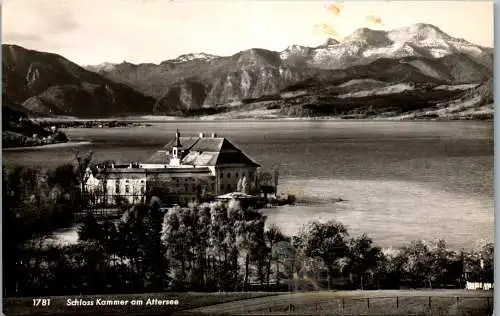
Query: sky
point(95, 31)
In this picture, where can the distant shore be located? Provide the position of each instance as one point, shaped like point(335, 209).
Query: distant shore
point(143, 121)
point(55, 145)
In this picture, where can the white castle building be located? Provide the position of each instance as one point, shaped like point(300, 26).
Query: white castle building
point(187, 169)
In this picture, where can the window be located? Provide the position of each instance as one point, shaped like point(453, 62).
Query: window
point(126, 181)
point(143, 190)
point(244, 174)
point(117, 187)
point(185, 187)
point(236, 174)
point(127, 188)
point(142, 181)
point(222, 187)
point(229, 187)
point(229, 174)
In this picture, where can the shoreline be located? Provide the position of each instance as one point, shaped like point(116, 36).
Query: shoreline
point(57, 145)
point(164, 119)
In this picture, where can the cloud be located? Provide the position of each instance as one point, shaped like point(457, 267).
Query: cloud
point(335, 8)
point(326, 29)
point(374, 20)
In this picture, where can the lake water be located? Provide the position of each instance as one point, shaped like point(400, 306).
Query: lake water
point(401, 180)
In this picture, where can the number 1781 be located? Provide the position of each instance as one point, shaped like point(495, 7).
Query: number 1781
point(41, 302)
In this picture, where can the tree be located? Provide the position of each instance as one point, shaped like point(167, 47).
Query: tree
point(174, 235)
point(286, 254)
point(362, 258)
point(479, 263)
point(110, 238)
point(487, 255)
point(82, 170)
point(442, 262)
point(245, 187)
point(327, 241)
point(64, 176)
point(91, 230)
point(266, 178)
point(417, 264)
point(273, 235)
point(276, 175)
point(239, 186)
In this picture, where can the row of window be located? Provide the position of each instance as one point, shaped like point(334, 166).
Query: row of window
point(187, 187)
point(127, 189)
point(237, 175)
point(131, 199)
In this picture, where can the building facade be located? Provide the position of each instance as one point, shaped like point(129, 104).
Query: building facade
point(187, 169)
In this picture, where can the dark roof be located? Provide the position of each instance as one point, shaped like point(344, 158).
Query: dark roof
point(208, 144)
point(230, 154)
point(205, 151)
point(235, 157)
point(159, 157)
point(186, 142)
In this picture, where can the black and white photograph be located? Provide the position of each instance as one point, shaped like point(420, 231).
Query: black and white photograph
point(239, 157)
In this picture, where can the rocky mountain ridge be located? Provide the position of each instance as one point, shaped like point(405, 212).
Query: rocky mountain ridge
point(405, 63)
point(423, 50)
point(47, 83)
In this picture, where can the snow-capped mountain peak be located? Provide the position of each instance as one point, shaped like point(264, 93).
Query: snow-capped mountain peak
point(101, 67)
point(295, 50)
point(196, 56)
point(419, 32)
point(368, 36)
point(366, 45)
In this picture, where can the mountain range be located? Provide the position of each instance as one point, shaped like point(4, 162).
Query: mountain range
point(414, 68)
point(47, 83)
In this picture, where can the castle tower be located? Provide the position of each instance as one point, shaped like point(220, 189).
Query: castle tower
point(176, 150)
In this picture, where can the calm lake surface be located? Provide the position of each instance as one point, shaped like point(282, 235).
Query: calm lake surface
point(401, 180)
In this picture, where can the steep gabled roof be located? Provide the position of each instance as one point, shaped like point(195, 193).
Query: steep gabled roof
point(205, 151)
point(230, 154)
point(208, 144)
point(159, 157)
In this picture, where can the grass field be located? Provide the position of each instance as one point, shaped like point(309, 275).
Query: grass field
point(402, 302)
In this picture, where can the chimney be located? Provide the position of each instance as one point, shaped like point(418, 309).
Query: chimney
point(202, 135)
point(214, 135)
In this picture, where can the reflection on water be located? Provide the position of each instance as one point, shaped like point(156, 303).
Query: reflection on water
point(402, 180)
